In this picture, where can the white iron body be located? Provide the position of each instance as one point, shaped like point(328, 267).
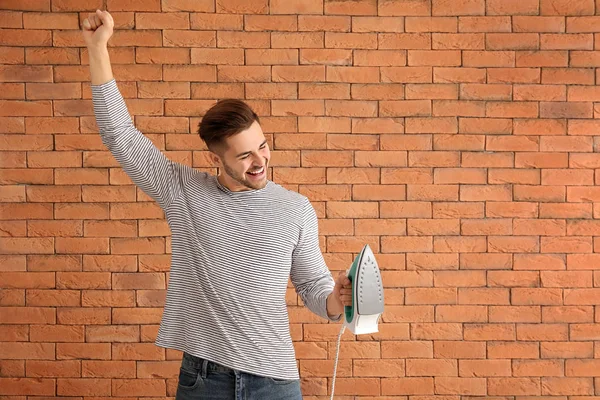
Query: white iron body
point(367, 300)
point(367, 294)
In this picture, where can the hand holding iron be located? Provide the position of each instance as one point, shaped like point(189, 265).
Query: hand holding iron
point(343, 289)
point(341, 295)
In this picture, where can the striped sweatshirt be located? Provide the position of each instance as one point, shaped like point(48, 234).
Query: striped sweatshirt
point(233, 253)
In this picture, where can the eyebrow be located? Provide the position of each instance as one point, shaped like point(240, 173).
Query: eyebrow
point(248, 152)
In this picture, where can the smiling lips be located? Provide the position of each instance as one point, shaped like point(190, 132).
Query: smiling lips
point(257, 172)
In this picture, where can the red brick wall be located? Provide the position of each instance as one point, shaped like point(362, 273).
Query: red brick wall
point(456, 137)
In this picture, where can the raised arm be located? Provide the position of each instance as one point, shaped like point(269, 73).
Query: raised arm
point(143, 162)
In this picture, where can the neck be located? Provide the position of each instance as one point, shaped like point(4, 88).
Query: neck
point(231, 184)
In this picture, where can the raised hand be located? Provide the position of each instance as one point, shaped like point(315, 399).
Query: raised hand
point(97, 29)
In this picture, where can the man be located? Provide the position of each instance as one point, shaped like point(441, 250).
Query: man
point(236, 239)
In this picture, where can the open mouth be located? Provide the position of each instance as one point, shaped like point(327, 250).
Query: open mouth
point(257, 173)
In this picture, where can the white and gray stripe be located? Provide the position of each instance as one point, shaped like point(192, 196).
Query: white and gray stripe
point(233, 253)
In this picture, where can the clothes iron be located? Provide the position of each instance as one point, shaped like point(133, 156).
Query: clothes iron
point(367, 294)
point(362, 317)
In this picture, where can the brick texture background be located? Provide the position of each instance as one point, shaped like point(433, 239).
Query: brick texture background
point(456, 137)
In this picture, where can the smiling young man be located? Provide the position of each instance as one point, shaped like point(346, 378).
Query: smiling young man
point(236, 240)
point(237, 144)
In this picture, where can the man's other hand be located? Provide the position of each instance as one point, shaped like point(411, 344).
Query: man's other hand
point(97, 29)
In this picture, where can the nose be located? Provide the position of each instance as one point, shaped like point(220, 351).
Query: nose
point(257, 160)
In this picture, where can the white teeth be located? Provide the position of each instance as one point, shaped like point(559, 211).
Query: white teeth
point(257, 172)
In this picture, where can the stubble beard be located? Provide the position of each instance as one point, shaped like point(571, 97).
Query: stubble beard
point(242, 178)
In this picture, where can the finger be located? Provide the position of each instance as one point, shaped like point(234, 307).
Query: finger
point(97, 20)
point(86, 22)
point(105, 17)
point(92, 22)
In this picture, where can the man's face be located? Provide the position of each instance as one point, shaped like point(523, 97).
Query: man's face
point(245, 159)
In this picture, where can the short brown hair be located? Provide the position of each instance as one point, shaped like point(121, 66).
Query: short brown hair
point(226, 118)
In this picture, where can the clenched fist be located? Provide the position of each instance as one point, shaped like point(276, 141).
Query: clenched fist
point(97, 29)
point(343, 289)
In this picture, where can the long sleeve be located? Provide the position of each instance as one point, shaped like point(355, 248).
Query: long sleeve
point(141, 160)
point(309, 274)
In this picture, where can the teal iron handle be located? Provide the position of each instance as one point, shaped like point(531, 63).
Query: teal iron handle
point(349, 310)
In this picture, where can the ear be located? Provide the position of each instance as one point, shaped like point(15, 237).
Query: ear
point(215, 158)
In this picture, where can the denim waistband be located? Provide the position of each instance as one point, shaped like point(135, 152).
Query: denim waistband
point(203, 365)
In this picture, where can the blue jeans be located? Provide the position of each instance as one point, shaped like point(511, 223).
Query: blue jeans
point(201, 379)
